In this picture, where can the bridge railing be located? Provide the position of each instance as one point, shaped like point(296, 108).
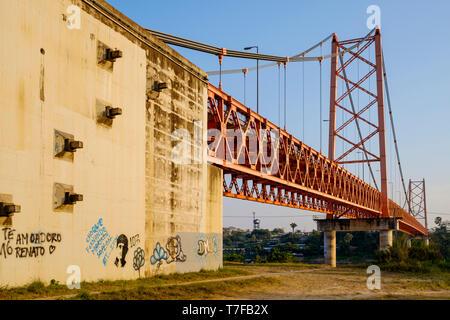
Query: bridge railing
point(250, 147)
point(407, 222)
point(261, 162)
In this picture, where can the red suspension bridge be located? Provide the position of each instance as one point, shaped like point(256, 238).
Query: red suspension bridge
point(264, 163)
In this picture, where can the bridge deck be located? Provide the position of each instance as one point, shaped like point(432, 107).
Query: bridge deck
point(261, 162)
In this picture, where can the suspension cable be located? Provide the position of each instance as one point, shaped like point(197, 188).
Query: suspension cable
point(285, 95)
point(220, 71)
point(320, 101)
point(244, 71)
point(359, 106)
point(369, 142)
point(279, 94)
point(393, 133)
point(301, 57)
point(303, 100)
point(194, 45)
point(140, 36)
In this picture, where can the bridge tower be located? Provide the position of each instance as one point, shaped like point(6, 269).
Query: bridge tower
point(345, 59)
point(417, 201)
point(359, 117)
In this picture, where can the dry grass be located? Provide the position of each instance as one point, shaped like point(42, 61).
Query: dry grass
point(201, 291)
point(37, 289)
point(250, 281)
point(34, 290)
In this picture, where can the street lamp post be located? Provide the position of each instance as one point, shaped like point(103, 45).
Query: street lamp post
point(257, 76)
point(326, 120)
point(392, 189)
point(362, 163)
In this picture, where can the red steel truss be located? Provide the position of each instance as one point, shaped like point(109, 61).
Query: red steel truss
point(360, 117)
point(417, 200)
point(305, 179)
point(287, 172)
point(261, 162)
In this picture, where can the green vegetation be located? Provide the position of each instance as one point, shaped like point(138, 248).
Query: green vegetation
point(33, 290)
point(293, 226)
point(278, 255)
point(441, 238)
point(276, 265)
point(263, 246)
point(36, 287)
point(233, 257)
point(418, 258)
point(276, 246)
point(83, 295)
point(314, 245)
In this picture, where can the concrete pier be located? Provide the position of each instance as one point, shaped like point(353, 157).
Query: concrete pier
point(385, 239)
point(329, 227)
point(329, 238)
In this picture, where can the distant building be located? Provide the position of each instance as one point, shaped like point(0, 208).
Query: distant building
point(228, 230)
point(273, 241)
point(228, 250)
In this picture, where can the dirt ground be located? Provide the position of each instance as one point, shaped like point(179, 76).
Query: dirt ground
point(340, 283)
point(252, 282)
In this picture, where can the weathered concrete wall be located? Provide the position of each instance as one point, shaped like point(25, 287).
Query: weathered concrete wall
point(190, 246)
point(176, 172)
point(135, 195)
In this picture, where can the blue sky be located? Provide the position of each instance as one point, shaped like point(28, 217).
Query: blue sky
point(417, 54)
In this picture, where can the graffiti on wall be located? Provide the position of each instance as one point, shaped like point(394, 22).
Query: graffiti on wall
point(173, 248)
point(207, 246)
point(103, 245)
point(134, 240)
point(100, 242)
point(171, 253)
point(27, 245)
point(121, 251)
point(159, 254)
point(138, 260)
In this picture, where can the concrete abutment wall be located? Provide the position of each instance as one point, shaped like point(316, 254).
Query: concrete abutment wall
point(143, 211)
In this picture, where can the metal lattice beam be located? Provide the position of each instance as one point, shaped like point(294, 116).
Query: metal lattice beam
point(290, 173)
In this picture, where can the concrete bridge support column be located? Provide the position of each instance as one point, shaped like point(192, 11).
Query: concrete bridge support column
point(385, 239)
point(329, 238)
point(408, 243)
point(426, 241)
point(329, 227)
